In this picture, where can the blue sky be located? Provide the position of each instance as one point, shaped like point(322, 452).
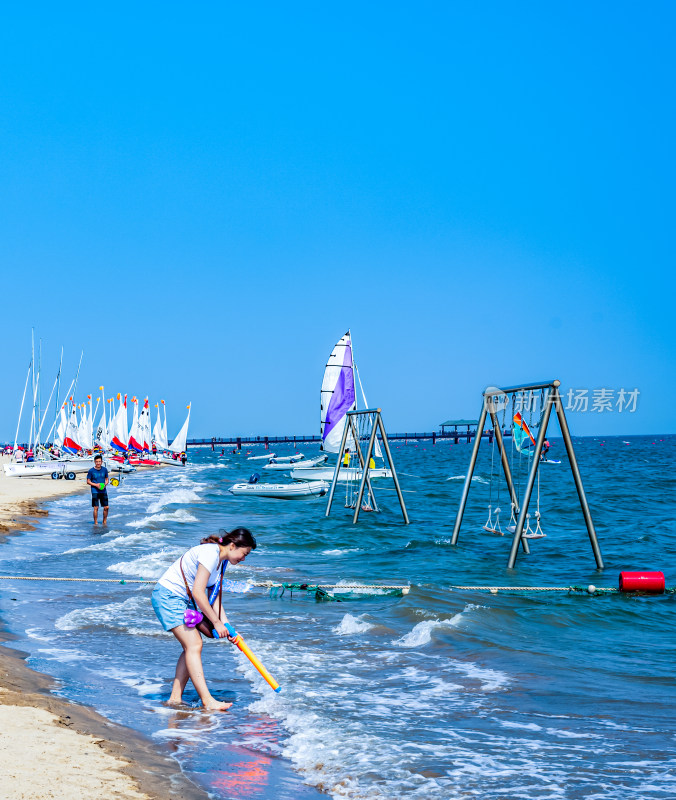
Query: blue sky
point(206, 197)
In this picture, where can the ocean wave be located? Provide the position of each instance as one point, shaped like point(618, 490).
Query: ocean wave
point(148, 566)
point(115, 615)
point(173, 497)
point(180, 515)
point(421, 634)
point(142, 685)
point(476, 478)
point(491, 680)
point(64, 655)
point(117, 543)
point(350, 625)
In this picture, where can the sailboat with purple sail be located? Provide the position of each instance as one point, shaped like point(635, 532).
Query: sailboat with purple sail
point(338, 396)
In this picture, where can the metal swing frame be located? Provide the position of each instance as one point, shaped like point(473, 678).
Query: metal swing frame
point(364, 460)
point(552, 399)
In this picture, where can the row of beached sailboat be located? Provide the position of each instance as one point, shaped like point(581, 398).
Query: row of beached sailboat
point(78, 438)
point(79, 431)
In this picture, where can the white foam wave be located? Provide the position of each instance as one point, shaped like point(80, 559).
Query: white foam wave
point(476, 478)
point(350, 625)
point(491, 680)
point(180, 515)
point(119, 542)
point(174, 497)
point(421, 634)
point(111, 615)
point(142, 685)
point(149, 566)
point(522, 726)
point(64, 655)
point(340, 552)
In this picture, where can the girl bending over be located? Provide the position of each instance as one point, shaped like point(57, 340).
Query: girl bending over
point(183, 591)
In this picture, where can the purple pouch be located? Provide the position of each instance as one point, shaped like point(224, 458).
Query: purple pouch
point(192, 618)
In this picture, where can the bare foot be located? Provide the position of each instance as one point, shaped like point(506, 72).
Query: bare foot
point(172, 702)
point(216, 706)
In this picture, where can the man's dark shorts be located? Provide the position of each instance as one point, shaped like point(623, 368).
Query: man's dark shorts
point(100, 499)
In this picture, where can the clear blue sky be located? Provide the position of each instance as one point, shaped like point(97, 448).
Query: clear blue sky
point(206, 196)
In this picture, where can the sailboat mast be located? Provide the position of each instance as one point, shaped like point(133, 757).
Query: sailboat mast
point(30, 433)
point(25, 388)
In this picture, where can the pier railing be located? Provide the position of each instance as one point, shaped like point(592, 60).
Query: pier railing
point(433, 436)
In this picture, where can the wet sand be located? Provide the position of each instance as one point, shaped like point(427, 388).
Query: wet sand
point(49, 747)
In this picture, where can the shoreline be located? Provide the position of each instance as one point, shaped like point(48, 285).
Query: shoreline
point(83, 753)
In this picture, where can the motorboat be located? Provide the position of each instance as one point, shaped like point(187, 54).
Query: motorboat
point(281, 491)
point(346, 474)
point(306, 463)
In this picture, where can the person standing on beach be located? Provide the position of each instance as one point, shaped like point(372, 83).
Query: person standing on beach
point(97, 478)
point(187, 585)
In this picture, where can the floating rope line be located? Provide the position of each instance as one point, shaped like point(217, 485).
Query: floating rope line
point(271, 585)
point(321, 589)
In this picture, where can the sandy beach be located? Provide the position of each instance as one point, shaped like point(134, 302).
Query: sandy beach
point(49, 747)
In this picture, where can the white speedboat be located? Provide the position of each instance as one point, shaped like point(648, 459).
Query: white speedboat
point(288, 459)
point(312, 463)
point(266, 457)
point(163, 458)
point(305, 463)
point(282, 491)
point(345, 474)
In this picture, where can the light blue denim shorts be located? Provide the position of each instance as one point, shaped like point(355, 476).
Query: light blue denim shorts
point(169, 607)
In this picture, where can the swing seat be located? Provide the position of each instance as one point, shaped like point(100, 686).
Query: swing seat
point(527, 534)
point(490, 529)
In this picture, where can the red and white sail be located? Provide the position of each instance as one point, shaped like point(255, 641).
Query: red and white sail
point(136, 434)
point(119, 438)
point(71, 443)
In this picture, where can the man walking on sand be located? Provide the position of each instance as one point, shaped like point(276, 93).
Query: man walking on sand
point(97, 478)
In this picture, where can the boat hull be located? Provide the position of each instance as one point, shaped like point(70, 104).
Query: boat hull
point(281, 491)
point(345, 474)
point(305, 463)
point(37, 469)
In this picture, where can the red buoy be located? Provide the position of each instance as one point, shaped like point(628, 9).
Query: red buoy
point(646, 582)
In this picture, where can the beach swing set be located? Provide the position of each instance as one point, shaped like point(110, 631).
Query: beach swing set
point(360, 443)
point(521, 466)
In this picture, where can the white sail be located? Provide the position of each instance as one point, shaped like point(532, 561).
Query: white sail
point(337, 395)
point(61, 430)
point(179, 443)
point(120, 437)
point(165, 437)
point(82, 427)
point(101, 434)
point(157, 429)
point(144, 426)
point(377, 451)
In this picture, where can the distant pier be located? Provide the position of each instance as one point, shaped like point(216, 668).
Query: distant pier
point(455, 436)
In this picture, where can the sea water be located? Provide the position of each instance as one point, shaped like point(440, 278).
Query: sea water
point(439, 694)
